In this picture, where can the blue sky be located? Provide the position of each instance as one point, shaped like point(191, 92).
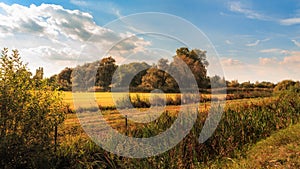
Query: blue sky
point(255, 40)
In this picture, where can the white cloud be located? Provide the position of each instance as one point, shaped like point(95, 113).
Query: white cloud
point(292, 59)
point(267, 69)
point(289, 21)
point(50, 21)
point(296, 43)
point(50, 53)
point(249, 13)
point(79, 2)
point(275, 51)
point(267, 61)
point(102, 6)
point(272, 50)
point(52, 34)
point(253, 44)
point(228, 42)
point(117, 12)
point(231, 62)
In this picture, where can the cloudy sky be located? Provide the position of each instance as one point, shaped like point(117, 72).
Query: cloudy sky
point(254, 40)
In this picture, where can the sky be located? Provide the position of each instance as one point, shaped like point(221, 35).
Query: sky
point(245, 40)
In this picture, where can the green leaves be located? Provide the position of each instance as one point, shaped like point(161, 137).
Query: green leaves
point(28, 113)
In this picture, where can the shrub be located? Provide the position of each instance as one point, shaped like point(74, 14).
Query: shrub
point(28, 115)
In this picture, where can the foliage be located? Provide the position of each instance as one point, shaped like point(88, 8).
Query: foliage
point(233, 83)
point(137, 76)
point(83, 77)
point(158, 79)
point(217, 82)
point(264, 84)
point(133, 70)
point(285, 85)
point(196, 61)
point(64, 79)
point(242, 125)
point(105, 71)
point(28, 114)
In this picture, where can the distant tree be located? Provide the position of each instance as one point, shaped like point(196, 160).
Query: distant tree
point(196, 61)
point(247, 85)
point(52, 82)
point(264, 84)
point(84, 77)
point(157, 78)
point(162, 64)
point(217, 81)
point(131, 73)
point(285, 85)
point(64, 79)
point(28, 114)
point(105, 71)
point(233, 83)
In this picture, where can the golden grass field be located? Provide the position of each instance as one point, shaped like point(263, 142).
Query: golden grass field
point(106, 98)
point(114, 118)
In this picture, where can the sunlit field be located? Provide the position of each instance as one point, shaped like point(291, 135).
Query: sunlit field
point(109, 99)
point(115, 119)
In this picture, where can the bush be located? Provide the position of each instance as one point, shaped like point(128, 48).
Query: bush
point(28, 114)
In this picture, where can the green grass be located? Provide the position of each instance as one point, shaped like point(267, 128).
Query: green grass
point(280, 150)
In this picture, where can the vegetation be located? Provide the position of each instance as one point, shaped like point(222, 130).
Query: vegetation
point(29, 111)
point(32, 109)
point(98, 76)
point(280, 150)
point(243, 124)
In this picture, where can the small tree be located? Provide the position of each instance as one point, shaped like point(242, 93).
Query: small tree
point(28, 115)
point(64, 79)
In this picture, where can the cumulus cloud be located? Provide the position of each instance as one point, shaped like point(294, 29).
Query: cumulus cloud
point(293, 58)
point(50, 21)
point(53, 33)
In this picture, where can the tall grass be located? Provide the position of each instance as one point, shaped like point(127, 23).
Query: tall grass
point(242, 125)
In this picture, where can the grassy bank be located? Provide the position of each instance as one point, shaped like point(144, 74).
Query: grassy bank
point(280, 150)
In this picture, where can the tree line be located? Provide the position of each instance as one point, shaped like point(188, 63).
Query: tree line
point(141, 77)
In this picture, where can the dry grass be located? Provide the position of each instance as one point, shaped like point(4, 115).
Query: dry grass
point(106, 98)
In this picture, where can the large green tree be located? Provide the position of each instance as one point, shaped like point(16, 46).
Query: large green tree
point(157, 77)
point(131, 74)
point(105, 71)
point(196, 61)
point(28, 115)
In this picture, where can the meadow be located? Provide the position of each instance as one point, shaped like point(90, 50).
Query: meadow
point(244, 123)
